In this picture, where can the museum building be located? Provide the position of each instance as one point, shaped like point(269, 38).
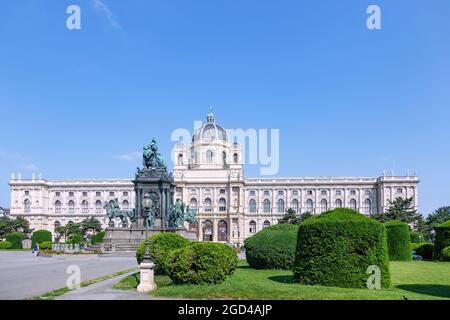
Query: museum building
point(209, 177)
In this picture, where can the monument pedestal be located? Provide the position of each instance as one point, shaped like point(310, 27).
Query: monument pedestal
point(147, 283)
point(127, 240)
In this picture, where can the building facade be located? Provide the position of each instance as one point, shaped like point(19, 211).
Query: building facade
point(209, 176)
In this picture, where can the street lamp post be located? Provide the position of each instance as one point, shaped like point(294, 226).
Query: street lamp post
point(146, 267)
point(147, 204)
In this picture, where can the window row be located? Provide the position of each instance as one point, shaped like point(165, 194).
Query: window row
point(309, 205)
point(85, 206)
point(338, 192)
point(97, 193)
point(208, 205)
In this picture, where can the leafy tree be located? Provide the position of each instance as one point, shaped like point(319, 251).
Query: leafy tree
point(73, 229)
point(91, 224)
point(5, 226)
point(19, 224)
point(291, 217)
point(402, 210)
point(437, 217)
point(61, 232)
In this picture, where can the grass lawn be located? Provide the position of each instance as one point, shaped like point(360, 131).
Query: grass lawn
point(413, 280)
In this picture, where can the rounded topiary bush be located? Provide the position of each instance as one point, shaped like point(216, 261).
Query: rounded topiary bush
point(425, 250)
point(399, 242)
point(416, 237)
point(40, 236)
point(201, 263)
point(46, 245)
point(5, 245)
point(16, 239)
point(272, 248)
point(445, 254)
point(442, 239)
point(337, 248)
point(160, 246)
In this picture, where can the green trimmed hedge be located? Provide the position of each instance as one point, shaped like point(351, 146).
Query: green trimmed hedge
point(442, 239)
point(40, 236)
point(5, 245)
point(160, 246)
point(399, 243)
point(98, 238)
point(201, 263)
point(337, 247)
point(423, 249)
point(272, 248)
point(16, 239)
point(416, 237)
point(445, 254)
point(46, 245)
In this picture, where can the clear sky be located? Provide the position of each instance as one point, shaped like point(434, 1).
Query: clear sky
point(347, 100)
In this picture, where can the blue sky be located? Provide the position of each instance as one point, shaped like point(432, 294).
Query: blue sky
point(347, 100)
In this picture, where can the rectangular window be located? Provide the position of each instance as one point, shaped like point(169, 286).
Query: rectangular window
point(98, 194)
point(84, 194)
point(267, 193)
point(222, 191)
point(111, 194)
point(71, 194)
point(295, 193)
point(399, 190)
point(281, 193)
point(27, 193)
point(58, 194)
point(125, 194)
point(338, 192)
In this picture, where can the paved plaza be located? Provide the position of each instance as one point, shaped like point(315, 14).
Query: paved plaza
point(22, 275)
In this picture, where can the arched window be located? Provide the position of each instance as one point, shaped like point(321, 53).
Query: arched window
point(222, 230)
point(235, 158)
point(208, 205)
point(209, 156)
point(208, 231)
point(266, 224)
point(222, 205)
point(224, 157)
point(27, 206)
point(180, 159)
point(295, 205)
point(338, 203)
point(252, 227)
point(353, 204)
point(266, 206)
point(309, 206)
point(280, 206)
point(84, 207)
point(125, 205)
point(252, 205)
point(98, 206)
point(193, 204)
point(323, 205)
point(57, 206)
point(71, 206)
point(57, 224)
point(367, 206)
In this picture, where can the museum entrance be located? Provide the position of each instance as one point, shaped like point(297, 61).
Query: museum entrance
point(207, 231)
point(222, 229)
